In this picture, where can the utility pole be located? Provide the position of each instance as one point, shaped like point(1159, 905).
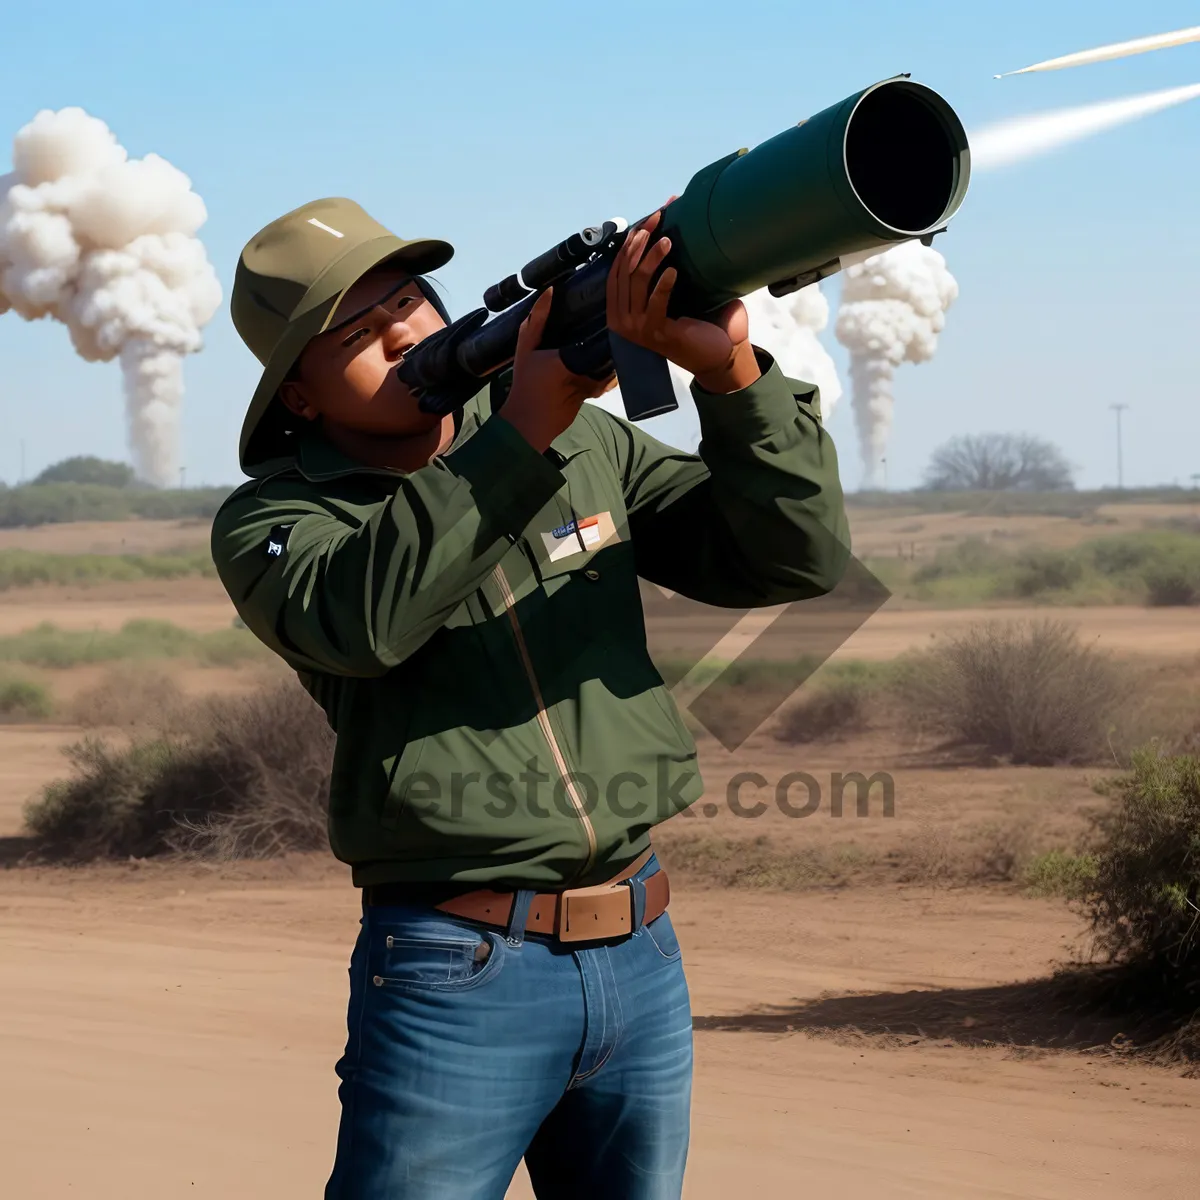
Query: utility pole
point(1117, 408)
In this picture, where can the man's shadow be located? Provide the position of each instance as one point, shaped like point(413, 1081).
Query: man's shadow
point(1081, 1008)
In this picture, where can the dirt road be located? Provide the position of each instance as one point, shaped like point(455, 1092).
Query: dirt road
point(172, 1034)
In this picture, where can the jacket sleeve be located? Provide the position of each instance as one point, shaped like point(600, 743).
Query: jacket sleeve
point(757, 517)
point(354, 588)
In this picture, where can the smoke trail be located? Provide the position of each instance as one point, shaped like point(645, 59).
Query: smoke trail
point(787, 328)
point(893, 308)
point(1015, 140)
point(106, 244)
point(1083, 58)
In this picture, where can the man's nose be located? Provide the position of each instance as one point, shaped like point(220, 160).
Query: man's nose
point(397, 337)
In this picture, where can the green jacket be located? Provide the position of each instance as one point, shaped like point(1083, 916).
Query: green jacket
point(483, 661)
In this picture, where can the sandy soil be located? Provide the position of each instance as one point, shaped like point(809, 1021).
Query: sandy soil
point(876, 531)
point(182, 1030)
point(109, 537)
point(200, 605)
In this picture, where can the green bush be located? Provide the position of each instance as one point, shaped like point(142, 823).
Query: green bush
point(1037, 571)
point(1122, 555)
point(23, 568)
point(1058, 873)
point(1145, 899)
point(86, 468)
point(1171, 583)
point(24, 700)
point(57, 503)
point(250, 779)
point(1030, 692)
point(1162, 566)
point(971, 556)
point(49, 646)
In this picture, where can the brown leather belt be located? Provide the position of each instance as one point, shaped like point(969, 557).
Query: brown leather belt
point(576, 915)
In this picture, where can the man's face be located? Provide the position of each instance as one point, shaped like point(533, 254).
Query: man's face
point(347, 375)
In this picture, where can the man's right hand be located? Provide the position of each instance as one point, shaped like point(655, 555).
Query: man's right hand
point(545, 397)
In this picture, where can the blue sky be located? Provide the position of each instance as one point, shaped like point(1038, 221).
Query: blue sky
point(504, 126)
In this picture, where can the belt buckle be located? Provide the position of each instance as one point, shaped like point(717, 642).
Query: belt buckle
point(595, 913)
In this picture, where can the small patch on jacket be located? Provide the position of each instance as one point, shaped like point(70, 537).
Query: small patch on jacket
point(580, 537)
point(277, 541)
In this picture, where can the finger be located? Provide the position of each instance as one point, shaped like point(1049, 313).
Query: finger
point(656, 306)
point(639, 284)
point(626, 262)
point(529, 336)
point(650, 223)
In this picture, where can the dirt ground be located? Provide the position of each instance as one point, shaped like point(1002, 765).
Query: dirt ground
point(109, 537)
point(182, 1028)
point(171, 1030)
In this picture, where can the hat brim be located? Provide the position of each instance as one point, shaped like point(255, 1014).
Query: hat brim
point(262, 434)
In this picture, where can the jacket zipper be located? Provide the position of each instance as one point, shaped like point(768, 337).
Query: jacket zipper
point(544, 717)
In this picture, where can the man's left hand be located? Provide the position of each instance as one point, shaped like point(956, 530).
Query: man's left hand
point(716, 350)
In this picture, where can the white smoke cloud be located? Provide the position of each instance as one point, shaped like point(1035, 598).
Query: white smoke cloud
point(106, 244)
point(893, 307)
point(787, 328)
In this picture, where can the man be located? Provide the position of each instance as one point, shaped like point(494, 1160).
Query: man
point(460, 595)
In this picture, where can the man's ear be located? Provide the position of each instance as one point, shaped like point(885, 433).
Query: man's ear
point(291, 393)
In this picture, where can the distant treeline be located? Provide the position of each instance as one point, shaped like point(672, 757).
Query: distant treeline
point(1014, 503)
point(56, 503)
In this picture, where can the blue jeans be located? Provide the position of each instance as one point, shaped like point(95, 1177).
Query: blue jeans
point(468, 1049)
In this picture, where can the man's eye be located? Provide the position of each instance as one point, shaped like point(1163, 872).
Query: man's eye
point(354, 337)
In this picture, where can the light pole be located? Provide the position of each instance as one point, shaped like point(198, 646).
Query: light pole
point(1117, 408)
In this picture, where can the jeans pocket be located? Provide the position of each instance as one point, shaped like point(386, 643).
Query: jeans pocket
point(662, 935)
point(409, 958)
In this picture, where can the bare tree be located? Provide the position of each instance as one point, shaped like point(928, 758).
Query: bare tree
point(999, 462)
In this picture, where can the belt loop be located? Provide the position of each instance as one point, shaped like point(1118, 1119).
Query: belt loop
point(518, 918)
point(638, 888)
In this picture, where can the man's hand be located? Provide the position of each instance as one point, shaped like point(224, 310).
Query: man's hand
point(716, 350)
point(545, 397)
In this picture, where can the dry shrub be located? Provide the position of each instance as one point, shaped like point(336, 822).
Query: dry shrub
point(24, 699)
point(833, 711)
point(248, 778)
point(1029, 692)
point(973, 856)
point(132, 697)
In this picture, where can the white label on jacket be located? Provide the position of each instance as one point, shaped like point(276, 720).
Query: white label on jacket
point(580, 537)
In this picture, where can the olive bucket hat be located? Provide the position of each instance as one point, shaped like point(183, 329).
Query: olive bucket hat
point(290, 279)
